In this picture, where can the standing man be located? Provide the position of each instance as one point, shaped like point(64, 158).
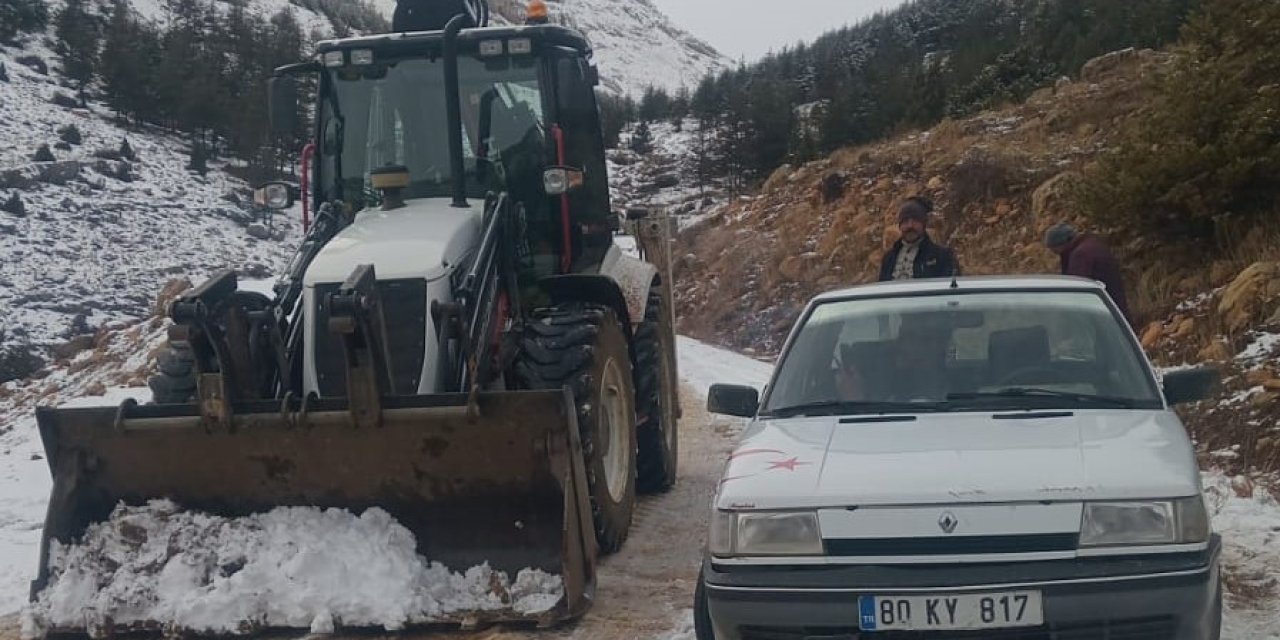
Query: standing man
point(1086, 256)
point(915, 256)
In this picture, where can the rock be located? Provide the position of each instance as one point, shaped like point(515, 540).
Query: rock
point(259, 231)
point(1246, 299)
point(4, 73)
point(73, 347)
point(1243, 486)
point(791, 268)
point(170, 292)
point(1050, 203)
point(1258, 376)
point(96, 389)
point(1272, 384)
point(1151, 336)
point(1062, 83)
point(833, 186)
point(43, 154)
point(1262, 399)
point(14, 205)
point(1216, 351)
point(936, 183)
point(1096, 69)
point(666, 181)
point(1185, 328)
point(35, 63)
point(1003, 209)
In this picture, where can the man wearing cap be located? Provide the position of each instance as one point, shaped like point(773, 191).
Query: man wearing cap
point(915, 256)
point(1086, 256)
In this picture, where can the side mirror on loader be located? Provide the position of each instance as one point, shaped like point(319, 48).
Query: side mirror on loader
point(283, 104)
point(273, 195)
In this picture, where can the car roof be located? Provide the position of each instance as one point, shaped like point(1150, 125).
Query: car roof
point(960, 285)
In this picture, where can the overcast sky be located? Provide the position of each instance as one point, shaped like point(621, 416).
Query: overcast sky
point(752, 28)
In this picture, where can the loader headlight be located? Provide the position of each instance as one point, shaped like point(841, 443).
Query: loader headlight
point(770, 533)
point(1108, 524)
point(362, 57)
point(333, 59)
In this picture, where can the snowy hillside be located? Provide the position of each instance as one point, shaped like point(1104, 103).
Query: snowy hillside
point(97, 235)
point(636, 45)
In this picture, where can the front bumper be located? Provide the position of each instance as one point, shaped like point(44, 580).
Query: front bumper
point(1151, 598)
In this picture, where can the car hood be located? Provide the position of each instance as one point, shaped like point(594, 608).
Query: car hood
point(956, 458)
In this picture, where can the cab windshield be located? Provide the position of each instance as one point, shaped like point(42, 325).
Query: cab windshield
point(961, 352)
point(394, 112)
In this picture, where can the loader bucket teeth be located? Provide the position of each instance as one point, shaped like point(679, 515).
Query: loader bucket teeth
point(506, 486)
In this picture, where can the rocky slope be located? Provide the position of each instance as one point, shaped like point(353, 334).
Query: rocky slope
point(999, 180)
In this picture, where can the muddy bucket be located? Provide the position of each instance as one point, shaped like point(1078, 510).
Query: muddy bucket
point(500, 481)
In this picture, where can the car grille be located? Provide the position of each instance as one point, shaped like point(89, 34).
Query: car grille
point(1142, 629)
point(404, 308)
point(957, 545)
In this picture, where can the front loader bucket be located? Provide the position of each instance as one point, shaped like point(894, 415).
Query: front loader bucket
point(498, 481)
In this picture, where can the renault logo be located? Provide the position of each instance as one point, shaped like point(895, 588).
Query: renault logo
point(948, 521)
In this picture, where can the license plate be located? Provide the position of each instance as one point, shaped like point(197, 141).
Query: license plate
point(951, 611)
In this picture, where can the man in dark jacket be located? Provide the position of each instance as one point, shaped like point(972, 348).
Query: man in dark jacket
point(1086, 256)
point(915, 256)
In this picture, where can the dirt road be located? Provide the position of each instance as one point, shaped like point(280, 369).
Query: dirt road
point(646, 590)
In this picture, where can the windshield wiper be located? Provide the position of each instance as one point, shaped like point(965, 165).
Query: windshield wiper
point(837, 407)
point(1034, 392)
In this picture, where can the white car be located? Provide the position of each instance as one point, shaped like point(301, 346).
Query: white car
point(979, 458)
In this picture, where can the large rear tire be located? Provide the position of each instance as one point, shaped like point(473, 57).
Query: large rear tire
point(583, 347)
point(657, 431)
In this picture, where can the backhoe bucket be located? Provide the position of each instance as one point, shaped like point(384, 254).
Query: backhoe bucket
point(498, 480)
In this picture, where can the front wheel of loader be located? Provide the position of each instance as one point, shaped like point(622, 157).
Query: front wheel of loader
point(657, 432)
point(175, 379)
point(583, 347)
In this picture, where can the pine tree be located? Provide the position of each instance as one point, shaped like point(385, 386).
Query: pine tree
point(79, 34)
point(19, 16)
point(642, 139)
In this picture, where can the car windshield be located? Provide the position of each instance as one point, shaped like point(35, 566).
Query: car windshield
point(393, 112)
point(1016, 350)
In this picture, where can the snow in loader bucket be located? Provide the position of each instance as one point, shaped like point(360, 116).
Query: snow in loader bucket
point(295, 520)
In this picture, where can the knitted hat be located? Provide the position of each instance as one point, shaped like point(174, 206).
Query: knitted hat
point(1059, 235)
point(915, 208)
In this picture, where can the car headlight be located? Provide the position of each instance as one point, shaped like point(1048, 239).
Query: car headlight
point(771, 533)
point(720, 539)
point(1108, 524)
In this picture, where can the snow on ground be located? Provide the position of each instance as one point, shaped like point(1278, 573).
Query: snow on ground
point(702, 365)
point(98, 247)
point(1250, 527)
point(292, 567)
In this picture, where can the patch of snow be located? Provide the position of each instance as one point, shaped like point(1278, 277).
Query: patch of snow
point(1260, 349)
point(702, 365)
point(292, 567)
point(1250, 528)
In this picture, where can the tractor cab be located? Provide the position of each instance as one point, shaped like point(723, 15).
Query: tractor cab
point(458, 115)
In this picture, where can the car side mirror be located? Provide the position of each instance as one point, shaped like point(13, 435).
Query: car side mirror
point(733, 400)
point(1192, 385)
point(273, 195)
point(283, 105)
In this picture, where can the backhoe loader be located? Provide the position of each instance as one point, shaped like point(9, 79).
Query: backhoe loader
point(457, 340)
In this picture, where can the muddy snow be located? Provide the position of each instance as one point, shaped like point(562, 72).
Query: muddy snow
point(296, 567)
